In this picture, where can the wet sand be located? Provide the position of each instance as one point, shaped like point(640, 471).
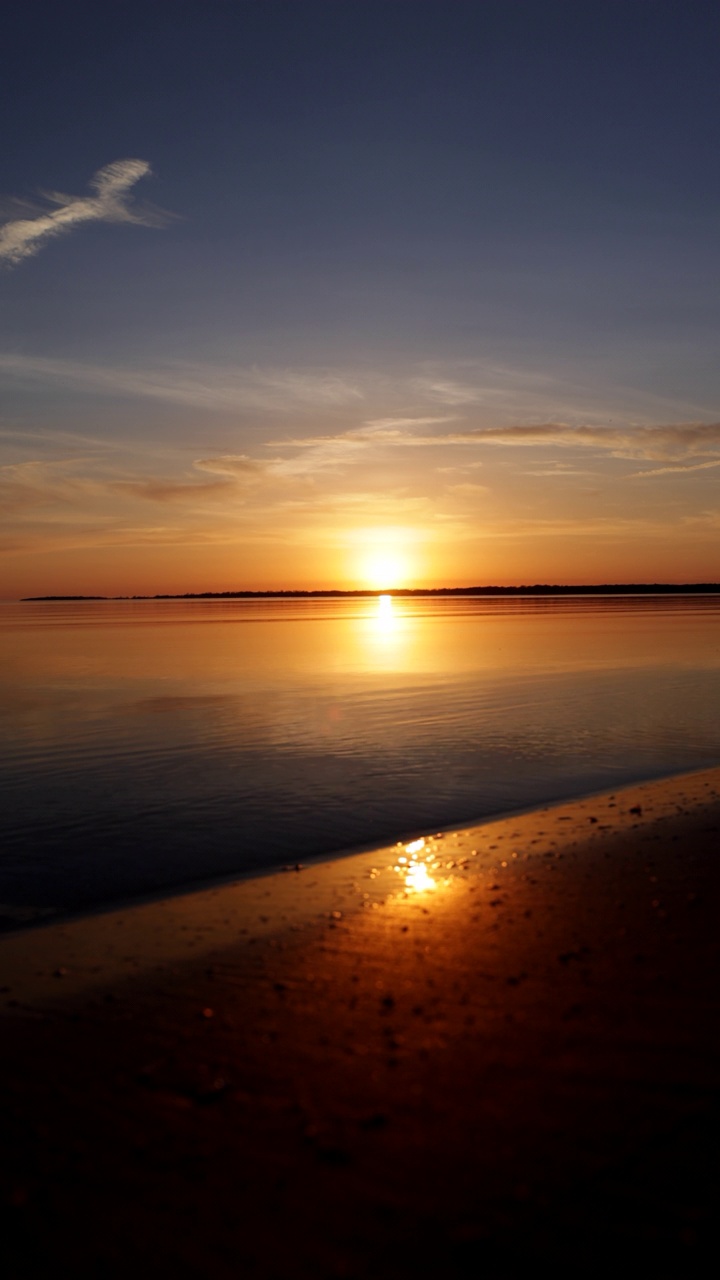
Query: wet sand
point(330, 1072)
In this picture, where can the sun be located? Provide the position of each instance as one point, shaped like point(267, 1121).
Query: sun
point(383, 557)
point(382, 570)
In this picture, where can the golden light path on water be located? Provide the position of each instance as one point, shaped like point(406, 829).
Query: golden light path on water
point(386, 636)
point(384, 618)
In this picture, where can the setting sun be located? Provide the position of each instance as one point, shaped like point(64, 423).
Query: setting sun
point(384, 558)
point(384, 569)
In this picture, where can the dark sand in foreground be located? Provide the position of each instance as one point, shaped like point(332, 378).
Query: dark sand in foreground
point(325, 1074)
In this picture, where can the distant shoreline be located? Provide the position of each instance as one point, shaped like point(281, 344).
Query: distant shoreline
point(538, 589)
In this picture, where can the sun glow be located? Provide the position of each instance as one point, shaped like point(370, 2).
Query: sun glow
point(384, 558)
point(382, 570)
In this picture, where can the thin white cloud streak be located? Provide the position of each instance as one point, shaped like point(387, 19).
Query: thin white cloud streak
point(498, 397)
point(199, 387)
point(391, 424)
point(24, 237)
point(560, 473)
point(55, 438)
point(238, 465)
point(222, 388)
point(680, 470)
point(452, 393)
point(574, 395)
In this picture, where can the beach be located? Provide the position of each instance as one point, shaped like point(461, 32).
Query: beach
point(479, 1050)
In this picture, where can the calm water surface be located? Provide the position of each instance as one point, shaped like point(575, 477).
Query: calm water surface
point(153, 744)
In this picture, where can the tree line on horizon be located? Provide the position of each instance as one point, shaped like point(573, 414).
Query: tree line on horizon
point(538, 589)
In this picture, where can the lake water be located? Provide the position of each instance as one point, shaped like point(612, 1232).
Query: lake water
point(150, 745)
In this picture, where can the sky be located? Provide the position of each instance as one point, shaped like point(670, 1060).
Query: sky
point(305, 294)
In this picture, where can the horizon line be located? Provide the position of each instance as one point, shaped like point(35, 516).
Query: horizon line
point(605, 588)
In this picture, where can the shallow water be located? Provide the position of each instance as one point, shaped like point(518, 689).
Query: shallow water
point(148, 745)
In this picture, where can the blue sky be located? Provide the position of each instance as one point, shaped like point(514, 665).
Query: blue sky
point(438, 278)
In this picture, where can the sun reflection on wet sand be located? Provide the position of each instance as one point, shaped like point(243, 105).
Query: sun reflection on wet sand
point(416, 865)
point(418, 879)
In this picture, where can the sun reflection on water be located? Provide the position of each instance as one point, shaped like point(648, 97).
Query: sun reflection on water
point(387, 634)
point(385, 617)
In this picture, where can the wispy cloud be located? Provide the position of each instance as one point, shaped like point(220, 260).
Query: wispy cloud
point(558, 473)
point(195, 386)
point(492, 399)
point(467, 490)
point(171, 491)
point(398, 424)
point(76, 485)
point(22, 238)
point(521, 393)
point(54, 439)
point(344, 508)
point(449, 392)
point(38, 483)
point(339, 446)
point(676, 441)
point(237, 465)
point(663, 443)
point(667, 471)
